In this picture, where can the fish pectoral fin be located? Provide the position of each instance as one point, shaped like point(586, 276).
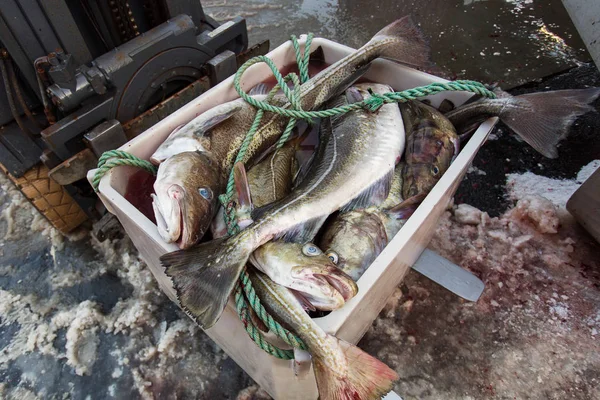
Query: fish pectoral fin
point(242, 188)
point(260, 89)
point(373, 195)
point(405, 209)
point(305, 231)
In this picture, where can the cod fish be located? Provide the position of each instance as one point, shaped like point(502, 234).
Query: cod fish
point(301, 267)
point(353, 166)
point(540, 119)
point(221, 131)
point(183, 206)
point(312, 275)
point(342, 370)
point(431, 145)
point(354, 239)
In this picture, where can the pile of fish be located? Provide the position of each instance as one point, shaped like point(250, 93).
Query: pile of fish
point(310, 229)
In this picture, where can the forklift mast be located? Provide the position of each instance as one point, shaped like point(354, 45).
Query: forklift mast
point(80, 77)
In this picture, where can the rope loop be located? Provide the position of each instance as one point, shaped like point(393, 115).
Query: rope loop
point(114, 158)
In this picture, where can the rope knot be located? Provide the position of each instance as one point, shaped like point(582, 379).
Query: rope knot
point(374, 102)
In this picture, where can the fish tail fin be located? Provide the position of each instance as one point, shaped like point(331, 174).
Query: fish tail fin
point(543, 119)
point(365, 377)
point(409, 45)
point(205, 275)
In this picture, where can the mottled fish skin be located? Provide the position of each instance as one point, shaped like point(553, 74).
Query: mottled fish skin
point(268, 181)
point(196, 134)
point(431, 144)
point(272, 178)
point(356, 156)
point(342, 371)
point(182, 206)
point(355, 238)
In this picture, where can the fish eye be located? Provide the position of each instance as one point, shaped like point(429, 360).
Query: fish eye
point(310, 250)
point(435, 170)
point(206, 193)
point(333, 256)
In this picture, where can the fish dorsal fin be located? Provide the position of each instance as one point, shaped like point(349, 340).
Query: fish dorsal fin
point(261, 88)
point(242, 188)
point(373, 195)
point(201, 125)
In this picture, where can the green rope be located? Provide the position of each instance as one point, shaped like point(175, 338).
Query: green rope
point(115, 158)
point(255, 333)
point(265, 317)
point(245, 296)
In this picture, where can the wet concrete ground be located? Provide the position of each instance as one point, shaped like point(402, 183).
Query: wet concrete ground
point(506, 41)
point(82, 320)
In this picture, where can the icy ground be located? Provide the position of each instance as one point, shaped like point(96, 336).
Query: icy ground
point(82, 319)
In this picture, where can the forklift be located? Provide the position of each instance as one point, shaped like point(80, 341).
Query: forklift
point(81, 77)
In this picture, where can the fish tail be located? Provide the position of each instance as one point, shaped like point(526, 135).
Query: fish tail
point(409, 45)
point(205, 275)
point(543, 119)
point(365, 376)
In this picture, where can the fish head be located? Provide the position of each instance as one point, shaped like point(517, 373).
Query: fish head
point(307, 270)
point(186, 197)
point(354, 239)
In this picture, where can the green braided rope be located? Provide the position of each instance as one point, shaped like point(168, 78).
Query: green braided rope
point(115, 158)
point(265, 317)
point(255, 333)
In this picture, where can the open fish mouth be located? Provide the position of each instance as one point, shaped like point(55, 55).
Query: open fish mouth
point(326, 287)
point(169, 217)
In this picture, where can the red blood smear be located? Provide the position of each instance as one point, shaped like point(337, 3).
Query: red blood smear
point(139, 188)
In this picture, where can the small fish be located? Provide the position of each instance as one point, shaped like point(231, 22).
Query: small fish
point(540, 119)
point(342, 370)
point(354, 239)
point(221, 131)
point(353, 166)
point(182, 205)
point(307, 270)
point(431, 145)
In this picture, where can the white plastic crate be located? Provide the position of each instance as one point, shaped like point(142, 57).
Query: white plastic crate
point(375, 286)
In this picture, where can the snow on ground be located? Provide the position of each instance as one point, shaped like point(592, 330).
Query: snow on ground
point(556, 190)
point(533, 333)
point(140, 345)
